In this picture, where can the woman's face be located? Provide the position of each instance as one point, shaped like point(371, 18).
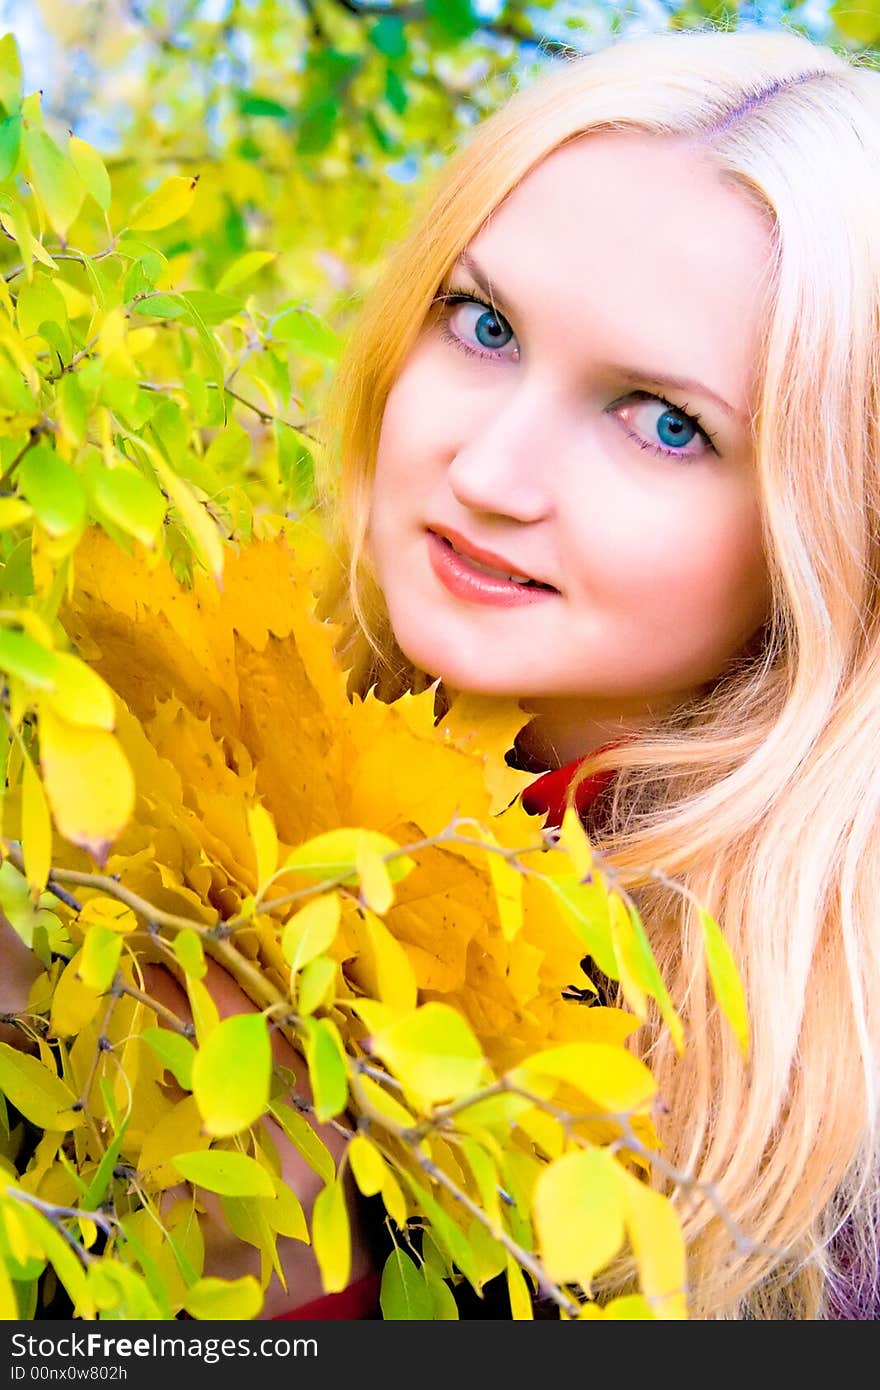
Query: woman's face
point(592, 434)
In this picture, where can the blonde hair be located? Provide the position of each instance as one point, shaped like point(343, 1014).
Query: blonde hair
point(762, 793)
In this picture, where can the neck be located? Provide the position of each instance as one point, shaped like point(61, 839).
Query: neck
point(562, 731)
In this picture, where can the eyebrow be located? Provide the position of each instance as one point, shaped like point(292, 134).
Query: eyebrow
point(675, 383)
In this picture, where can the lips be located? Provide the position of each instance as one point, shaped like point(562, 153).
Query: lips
point(504, 567)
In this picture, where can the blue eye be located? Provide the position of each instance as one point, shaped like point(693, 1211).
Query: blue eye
point(490, 329)
point(675, 428)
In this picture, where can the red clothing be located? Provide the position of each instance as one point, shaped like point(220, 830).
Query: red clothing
point(545, 796)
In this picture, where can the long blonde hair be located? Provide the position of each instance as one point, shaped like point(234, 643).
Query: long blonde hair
point(762, 793)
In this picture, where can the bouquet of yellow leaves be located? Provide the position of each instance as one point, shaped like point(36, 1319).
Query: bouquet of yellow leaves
point(205, 790)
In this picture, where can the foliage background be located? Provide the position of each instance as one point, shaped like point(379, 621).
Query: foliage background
point(194, 198)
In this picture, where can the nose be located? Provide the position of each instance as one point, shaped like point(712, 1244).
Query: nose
point(504, 462)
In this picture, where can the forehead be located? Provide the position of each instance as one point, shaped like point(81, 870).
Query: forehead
point(640, 240)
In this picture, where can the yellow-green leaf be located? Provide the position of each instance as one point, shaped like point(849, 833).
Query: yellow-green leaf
point(579, 1216)
point(395, 977)
point(81, 696)
point(13, 511)
point(188, 949)
point(285, 1214)
point(315, 986)
point(327, 1071)
point(171, 200)
point(203, 532)
point(204, 1010)
point(377, 890)
point(229, 1173)
point(36, 830)
point(233, 1300)
point(10, 73)
point(726, 979)
point(40, 1094)
point(655, 1236)
point(125, 497)
point(615, 1079)
point(88, 780)
point(331, 1236)
point(74, 1003)
point(367, 1165)
point(311, 930)
point(21, 655)
point(521, 1306)
point(303, 1137)
point(99, 957)
point(637, 967)
point(575, 841)
point(55, 181)
point(91, 169)
point(242, 269)
point(177, 1053)
point(265, 842)
point(587, 908)
point(433, 1052)
point(335, 855)
point(231, 1074)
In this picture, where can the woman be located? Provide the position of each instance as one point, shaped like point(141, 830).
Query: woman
point(629, 355)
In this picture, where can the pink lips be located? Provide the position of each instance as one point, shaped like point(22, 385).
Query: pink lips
point(464, 581)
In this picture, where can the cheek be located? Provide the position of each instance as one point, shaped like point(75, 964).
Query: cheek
point(688, 565)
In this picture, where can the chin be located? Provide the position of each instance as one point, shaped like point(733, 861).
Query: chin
point(456, 671)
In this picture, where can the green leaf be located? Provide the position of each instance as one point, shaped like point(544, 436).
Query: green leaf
point(404, 1295)
point(433, 1052)
point(327, 1072)
point(10, 146)
point(307, 333)
point(212, 307)
point(388, 36)
point(586, 906)
point(726, 980)
point(220, 1170)
point(231, 1074)
point(303, 1137)
point(55, 181)
point(129, 500)
point(208, 341)
point(250, 104)
point(242, 269)
point(176, 1051)
point(317, 126)
point(445, 1308)
point(40, 1094)
point(225, 1299)
point(100, 1183)
point(395, 92)
point(53, 489)
point(161, 306)
point(26, 658)
point(454, 19)
point(73, 408)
